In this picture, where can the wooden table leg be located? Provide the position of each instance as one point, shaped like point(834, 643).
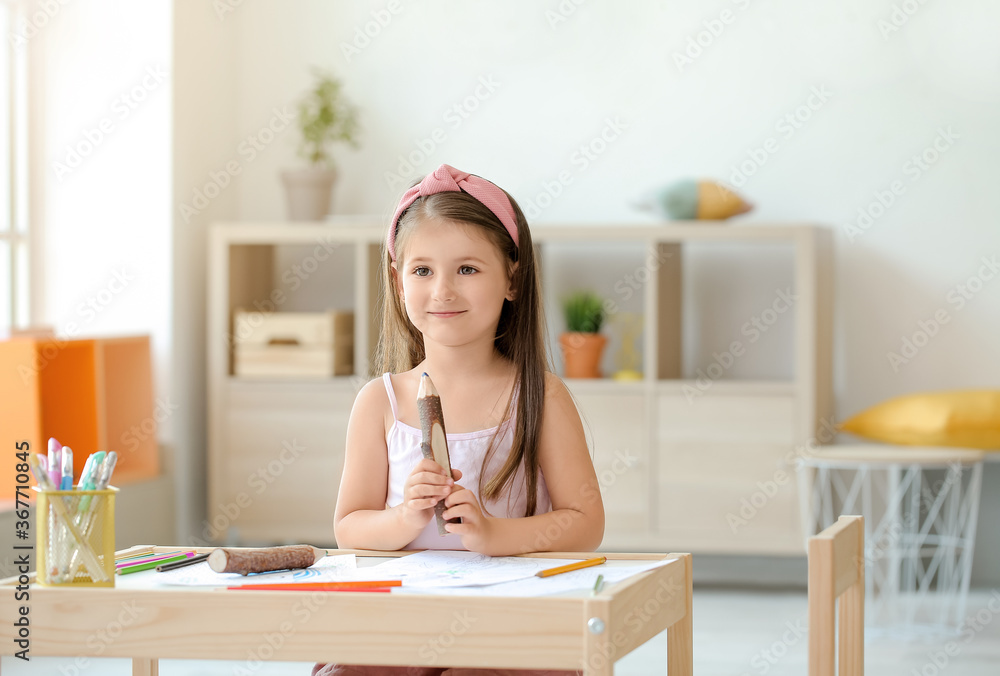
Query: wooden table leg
point(680, 636)
point(145, 667)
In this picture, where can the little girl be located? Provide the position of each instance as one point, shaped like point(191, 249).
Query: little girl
point(462, 304)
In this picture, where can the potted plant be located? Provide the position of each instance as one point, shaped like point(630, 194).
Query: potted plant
point(582, 344)
point(325, 118)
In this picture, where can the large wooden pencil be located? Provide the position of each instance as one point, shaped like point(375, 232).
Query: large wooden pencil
point(264, 560)
point(434, 439)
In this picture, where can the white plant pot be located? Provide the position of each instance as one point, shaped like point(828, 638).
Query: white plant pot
point(309, 192)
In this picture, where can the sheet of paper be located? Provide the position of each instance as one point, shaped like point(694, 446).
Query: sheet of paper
point(328, 569)
point(448, 568)
point(543, 586)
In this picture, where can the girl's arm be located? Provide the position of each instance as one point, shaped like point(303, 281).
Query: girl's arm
point(576, 522)
point(362, 520)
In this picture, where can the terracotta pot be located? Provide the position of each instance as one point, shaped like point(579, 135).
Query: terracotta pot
point(582, 354)
point(309, 192)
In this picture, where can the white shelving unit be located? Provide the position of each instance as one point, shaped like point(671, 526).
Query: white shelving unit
point(674, 467)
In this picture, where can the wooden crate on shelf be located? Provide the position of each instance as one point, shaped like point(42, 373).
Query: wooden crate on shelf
point(293, 344)
point(90, 394)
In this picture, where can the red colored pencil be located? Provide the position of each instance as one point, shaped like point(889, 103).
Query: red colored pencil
point(356, 585)
point(264, 587)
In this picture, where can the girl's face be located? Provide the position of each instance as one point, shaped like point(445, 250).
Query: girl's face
point(453, 282)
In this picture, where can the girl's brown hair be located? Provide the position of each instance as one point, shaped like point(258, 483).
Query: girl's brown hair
point(520, 336)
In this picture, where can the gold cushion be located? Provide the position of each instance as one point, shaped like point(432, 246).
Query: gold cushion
point(963, 418)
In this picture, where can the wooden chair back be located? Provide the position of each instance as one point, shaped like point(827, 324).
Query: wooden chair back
point(837, 571)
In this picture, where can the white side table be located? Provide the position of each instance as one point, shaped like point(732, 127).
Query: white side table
point(920, 506)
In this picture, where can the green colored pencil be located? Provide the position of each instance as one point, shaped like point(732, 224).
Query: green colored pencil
point(146, 555)
point(125, 570)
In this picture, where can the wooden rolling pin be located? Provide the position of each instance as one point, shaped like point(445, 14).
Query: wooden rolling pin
point(264, 560)
point(434, 440)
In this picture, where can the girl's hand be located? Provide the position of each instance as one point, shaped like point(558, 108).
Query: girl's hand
point(475, 527)
point(425, 487)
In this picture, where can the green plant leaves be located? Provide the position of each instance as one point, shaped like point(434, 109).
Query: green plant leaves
point(325, 118)
point(584, 312)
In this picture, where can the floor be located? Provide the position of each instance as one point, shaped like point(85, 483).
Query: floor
point(736, 633)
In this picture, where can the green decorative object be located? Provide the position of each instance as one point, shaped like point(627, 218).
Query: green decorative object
point(584, 312)
point(582, 345)
point(325, 118)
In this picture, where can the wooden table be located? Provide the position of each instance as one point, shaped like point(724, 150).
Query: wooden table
point(577, 630)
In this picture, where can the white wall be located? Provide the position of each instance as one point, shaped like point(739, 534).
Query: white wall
point(558, 79)
point(203, 125)
point(100, 99)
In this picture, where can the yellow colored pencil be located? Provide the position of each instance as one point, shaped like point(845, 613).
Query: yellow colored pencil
point(572, 566)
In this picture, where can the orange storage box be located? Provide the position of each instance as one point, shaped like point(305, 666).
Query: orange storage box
point(90, 394)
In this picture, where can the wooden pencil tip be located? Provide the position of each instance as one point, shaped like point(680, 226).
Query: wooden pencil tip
point(426, 387)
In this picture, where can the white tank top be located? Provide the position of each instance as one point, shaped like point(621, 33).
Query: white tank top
point(466, 451)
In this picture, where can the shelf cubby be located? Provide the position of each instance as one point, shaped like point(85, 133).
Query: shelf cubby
point(675, 452)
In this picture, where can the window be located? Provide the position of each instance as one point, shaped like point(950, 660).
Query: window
point(15, 298)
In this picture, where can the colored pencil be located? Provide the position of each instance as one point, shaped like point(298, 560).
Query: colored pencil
point(148, 566)
point(354, 585)
point(572, 566)
point(264, 587)
point(598, 584)
point(146, 555)
point(150, 559)
point(181, 564)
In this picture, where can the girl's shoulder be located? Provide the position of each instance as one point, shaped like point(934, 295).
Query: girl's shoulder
point(372, 402)
point(558, 401)
point(554, 386)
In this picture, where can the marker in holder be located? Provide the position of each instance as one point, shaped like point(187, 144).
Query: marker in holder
point(77, 538)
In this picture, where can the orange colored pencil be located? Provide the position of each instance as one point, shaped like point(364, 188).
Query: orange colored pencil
point(572, 566)
point(355, 585)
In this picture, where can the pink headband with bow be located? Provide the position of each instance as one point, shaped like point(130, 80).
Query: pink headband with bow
point(449, 179)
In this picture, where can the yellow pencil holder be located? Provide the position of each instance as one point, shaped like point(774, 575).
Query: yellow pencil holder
point(76, 536)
